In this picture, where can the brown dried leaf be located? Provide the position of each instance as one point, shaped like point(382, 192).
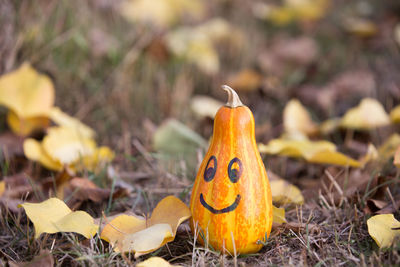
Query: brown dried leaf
point(44, 259)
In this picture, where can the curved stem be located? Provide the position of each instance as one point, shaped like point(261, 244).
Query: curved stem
point(233, 98)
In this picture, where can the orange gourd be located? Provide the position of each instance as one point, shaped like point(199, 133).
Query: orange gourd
point(231, 200)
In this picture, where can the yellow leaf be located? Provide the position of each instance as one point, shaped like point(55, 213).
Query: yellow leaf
point(128, 233)
point(205, 106)
point(66, 145)
point(333, 157)
point(25, 126)
point(285, 193)
point(368, 114)
point(155, 261)
point(395, 113)
point(322, 152)
point(380, 228)
point(329, 126)
point(202, 53)
point(148, 240)
point(292, 10)
point(53, 216)
point(196, 44)
point(388, 149)
point(33, 150)
point(278, 15)
point(360, 27)
point(296, 148)
point(95, 161)
point(63, 119)
point(161, 13)
point(116, 230)
point(26, 92)
point(218, 30)
point(308, 9)
point(2, 187)
point(278, 215)
point(195, 47)
point(297, 120)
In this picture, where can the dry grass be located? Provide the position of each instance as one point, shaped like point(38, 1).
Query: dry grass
point(124, 93)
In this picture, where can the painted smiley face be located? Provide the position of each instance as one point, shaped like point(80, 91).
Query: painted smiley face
point(235, 170)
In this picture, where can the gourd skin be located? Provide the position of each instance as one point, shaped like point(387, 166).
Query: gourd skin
point(231, 197)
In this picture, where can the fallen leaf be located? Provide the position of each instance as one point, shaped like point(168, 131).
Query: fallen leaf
point(26, 126)
point(161, 13)
point(63, 119)
point(205, 106)
point(78, 190)
point(329, 126)
point(26, 92)
point(285, 193)
point(29, 96)
point(278, 215)
point(34, 151)
point(16, 187)
point(155, 261)
point(380, 228)
point(195, 47)
point(390, 208)
point(277, 15)
point(173, 137)
point(292, 10)
point(367, 115)
point(44, 259)
point(322, 152)
point(53, 216)
point(148, 239)
point(360, 27)
point(395, 114)
point(308, 9)
point(96, 161)
point(297, 121)
point(64, 146)
point(389, 147)
point(128, 233)
point(2, 187)
point(375, 205)
point(246, 80)
point(197, 44)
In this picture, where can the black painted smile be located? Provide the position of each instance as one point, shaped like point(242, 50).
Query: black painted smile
point(224, 210)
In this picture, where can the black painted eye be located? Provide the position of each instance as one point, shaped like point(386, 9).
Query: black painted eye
point(235, 173)
point(210, 171)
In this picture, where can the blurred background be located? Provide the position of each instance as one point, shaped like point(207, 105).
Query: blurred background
point(133, 87)
point(125, 68)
